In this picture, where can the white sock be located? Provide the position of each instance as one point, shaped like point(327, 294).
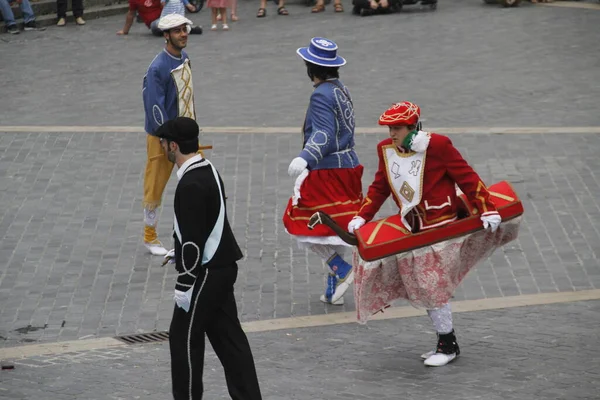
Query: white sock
point(442, 319)
point(150, 217)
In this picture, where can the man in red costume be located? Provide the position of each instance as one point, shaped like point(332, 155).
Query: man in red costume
point(421, 171)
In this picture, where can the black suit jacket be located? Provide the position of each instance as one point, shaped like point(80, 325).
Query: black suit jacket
point(202, 240)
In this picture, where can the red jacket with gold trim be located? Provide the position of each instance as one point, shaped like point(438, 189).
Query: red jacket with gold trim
point(444, 166)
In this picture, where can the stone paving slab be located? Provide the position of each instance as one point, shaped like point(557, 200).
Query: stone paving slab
point(545, 352)
point(72, 264)
point(466, 64)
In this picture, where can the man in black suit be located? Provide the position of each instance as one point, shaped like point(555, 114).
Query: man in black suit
point(205, 257)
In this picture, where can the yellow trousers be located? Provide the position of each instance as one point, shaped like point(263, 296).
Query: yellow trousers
point(158, 171)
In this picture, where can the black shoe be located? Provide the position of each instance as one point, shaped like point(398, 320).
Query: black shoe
point(13, 29)
point(447, 343)
point(32, 26)
point(196, 30)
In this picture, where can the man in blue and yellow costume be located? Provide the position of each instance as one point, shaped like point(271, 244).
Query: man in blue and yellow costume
point(168, 93)
point(327, 171)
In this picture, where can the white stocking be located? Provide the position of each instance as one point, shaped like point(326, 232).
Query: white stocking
point(324, 251)
point(150, 217)
point(441, 318)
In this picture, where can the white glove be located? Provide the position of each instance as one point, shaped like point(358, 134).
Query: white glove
point(356, 223)
point(491, 220)
point(184, 299)
point(169, 258)
point(296, 167)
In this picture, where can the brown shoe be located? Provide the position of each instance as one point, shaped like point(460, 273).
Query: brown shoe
point(318, 8)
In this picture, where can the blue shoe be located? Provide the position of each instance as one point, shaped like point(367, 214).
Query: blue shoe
point(332, 284)
point(344, 274)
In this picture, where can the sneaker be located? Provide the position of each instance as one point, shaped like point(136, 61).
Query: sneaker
point(196, 30)
point(79, 21)
point(332, 281)
point(344, 274)
point(33, 26)
point(61, 22)
point(13, 29)
point(339, 302)
point(213, 27)
point(156, 248)
point(225, 27)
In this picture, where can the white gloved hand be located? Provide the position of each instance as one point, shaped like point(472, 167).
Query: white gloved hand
point(296, 167)
point(169, 258)
point(183, 299)
point(491, 220)
point(356, 223)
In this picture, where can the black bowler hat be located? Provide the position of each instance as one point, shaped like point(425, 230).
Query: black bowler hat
point(180, 129)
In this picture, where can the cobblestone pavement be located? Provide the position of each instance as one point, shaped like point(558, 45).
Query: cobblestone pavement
point(72, 265)
point(467, 64)
point(547, 352)
point(71, 236)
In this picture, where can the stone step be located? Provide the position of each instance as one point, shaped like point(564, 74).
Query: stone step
point(90, 13)
point(48, 7)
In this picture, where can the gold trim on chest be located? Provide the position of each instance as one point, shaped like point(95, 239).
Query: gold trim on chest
point(182, 76)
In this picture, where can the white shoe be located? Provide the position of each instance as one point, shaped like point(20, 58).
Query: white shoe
point(342, 287)
point(213, 27)
point(339, 302)
point(79, 21)
point(156, 248)
point(439, 359)
point(225, 27)
point(61, 22)
point(425, 356)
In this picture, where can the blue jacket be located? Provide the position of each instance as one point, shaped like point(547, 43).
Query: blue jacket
point(159, 91)
point(329, 128)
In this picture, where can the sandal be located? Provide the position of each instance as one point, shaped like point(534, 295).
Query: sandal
point(318, 8)
point(338, 8)
point(282, 11)
point(261, 13)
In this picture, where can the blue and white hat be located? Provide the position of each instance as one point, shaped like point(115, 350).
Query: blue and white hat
point(321, 52)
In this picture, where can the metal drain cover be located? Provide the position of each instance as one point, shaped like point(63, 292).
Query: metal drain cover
point(141, 338)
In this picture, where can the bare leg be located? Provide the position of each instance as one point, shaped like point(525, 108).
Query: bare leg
point(213, 16)
point(223, 12)
point(234, 10)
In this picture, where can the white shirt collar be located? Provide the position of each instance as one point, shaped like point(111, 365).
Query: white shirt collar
point(186, 164)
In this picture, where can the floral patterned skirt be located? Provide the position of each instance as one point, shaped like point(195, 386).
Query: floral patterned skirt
point(426, 277)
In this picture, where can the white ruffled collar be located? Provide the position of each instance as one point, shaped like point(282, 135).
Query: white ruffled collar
point(420, 142)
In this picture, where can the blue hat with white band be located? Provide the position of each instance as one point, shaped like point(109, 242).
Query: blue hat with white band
point(321, 52)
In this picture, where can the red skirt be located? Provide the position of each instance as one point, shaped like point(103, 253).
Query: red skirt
point(337, 192)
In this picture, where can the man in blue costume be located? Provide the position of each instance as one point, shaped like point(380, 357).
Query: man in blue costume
point(168, 93)
point(327, 170)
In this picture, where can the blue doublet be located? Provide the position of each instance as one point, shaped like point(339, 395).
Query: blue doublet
point(329, 128)
point(159, 91)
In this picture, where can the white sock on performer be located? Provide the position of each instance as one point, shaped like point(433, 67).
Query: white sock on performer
point(442, 319)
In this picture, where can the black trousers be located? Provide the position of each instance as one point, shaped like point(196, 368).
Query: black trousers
point(366, 5)
point(212, 312)
point(61, 8)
